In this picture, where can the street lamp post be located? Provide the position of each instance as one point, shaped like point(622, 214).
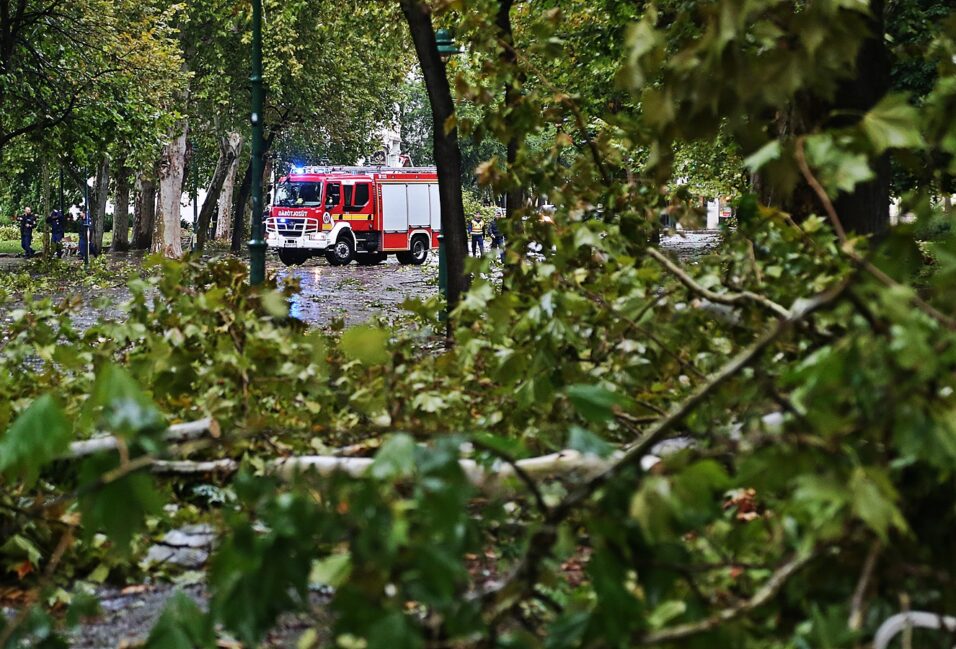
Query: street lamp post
point(87, 217)
point(257, 247)
point(195, 206)
point(446, 49)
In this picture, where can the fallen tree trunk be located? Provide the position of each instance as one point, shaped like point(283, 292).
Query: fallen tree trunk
point(561, 464)
point(176, 433)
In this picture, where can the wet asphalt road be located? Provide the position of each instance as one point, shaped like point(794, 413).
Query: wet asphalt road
point(356, 293)
point(353, 293)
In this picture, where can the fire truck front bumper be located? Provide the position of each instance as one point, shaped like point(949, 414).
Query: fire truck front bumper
point(311, 241)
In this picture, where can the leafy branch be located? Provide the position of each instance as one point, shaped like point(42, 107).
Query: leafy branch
point(523, 578)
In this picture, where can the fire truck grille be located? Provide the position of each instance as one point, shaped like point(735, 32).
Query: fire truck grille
point(292, 227)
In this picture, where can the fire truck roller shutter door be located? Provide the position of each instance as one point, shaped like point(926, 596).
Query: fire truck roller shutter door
point(435, 202)
point(394, 207)
point(418, 206)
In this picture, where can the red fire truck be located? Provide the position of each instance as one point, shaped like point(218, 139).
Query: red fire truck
point(360, 213)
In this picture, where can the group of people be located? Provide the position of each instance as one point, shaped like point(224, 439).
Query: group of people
point(477, 229)
point(57, 222)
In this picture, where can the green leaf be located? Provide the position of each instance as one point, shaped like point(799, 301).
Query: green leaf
point(584, 441)
point(20, 547)
point(118, 508)
point(182, 625)
point(769, 151)
point(593, 402)
point(123, 407)
point(332, 571)
point(666, 612)
point(38, 435)
point(874, 500)
point(366, 344)
point(838, 168)
point(275, 304)
point(395, 458)
point(394, 631)
point(893, 123)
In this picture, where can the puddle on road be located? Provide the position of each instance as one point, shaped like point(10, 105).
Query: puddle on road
point(356, 293)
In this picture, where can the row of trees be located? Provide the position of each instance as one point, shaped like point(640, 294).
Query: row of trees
point(151, 100)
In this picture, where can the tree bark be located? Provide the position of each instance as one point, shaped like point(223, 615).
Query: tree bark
point(447, 153)
point(239, 210)
point(100, 195)
point(145, 212)
point(867, 209)
point(224, 220)
point(121, 208)
point(45, 204)
point(167, 234)
point(228, 152)
point(507, 57)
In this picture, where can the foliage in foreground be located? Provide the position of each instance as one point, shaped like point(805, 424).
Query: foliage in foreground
point(804, 380)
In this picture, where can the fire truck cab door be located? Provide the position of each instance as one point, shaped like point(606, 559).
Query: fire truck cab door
point(358, 204)
point(333, 200)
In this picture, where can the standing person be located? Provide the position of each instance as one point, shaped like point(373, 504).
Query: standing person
point(28, 221)
point(57, 223)
point(86, 246)
point(497, 239)
point(477, 236)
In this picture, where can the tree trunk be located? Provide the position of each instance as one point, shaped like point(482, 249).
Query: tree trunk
point(45, 204)
point(100, 195)
point(867, 209)
point(167, 233)
point(447, 153)
point(121, 208)
point(507, 57)
point(224, 220)
point(146, 209)
point(228, 152)
point(239, 211)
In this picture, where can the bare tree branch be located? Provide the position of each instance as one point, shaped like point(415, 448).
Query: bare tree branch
point(730, 299)
point(768, 591)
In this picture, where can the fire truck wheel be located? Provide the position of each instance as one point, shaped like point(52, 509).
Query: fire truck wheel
point(370, 259)
point(293, 257)
point(419, 252)
point(341, 253)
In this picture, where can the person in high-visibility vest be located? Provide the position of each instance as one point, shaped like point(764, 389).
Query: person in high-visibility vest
point(477, 236)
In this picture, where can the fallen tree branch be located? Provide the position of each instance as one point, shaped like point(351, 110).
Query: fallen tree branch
point(175, 434)
point(855, 621)
point(768, 591)
point(729, 299)
point(499, 596)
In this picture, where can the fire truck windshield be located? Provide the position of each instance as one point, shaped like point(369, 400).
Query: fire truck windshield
point(304, 194)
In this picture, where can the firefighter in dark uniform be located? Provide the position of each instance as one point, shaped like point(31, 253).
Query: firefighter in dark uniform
point(57, 223)
point(28, 221)
point(86, 246)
